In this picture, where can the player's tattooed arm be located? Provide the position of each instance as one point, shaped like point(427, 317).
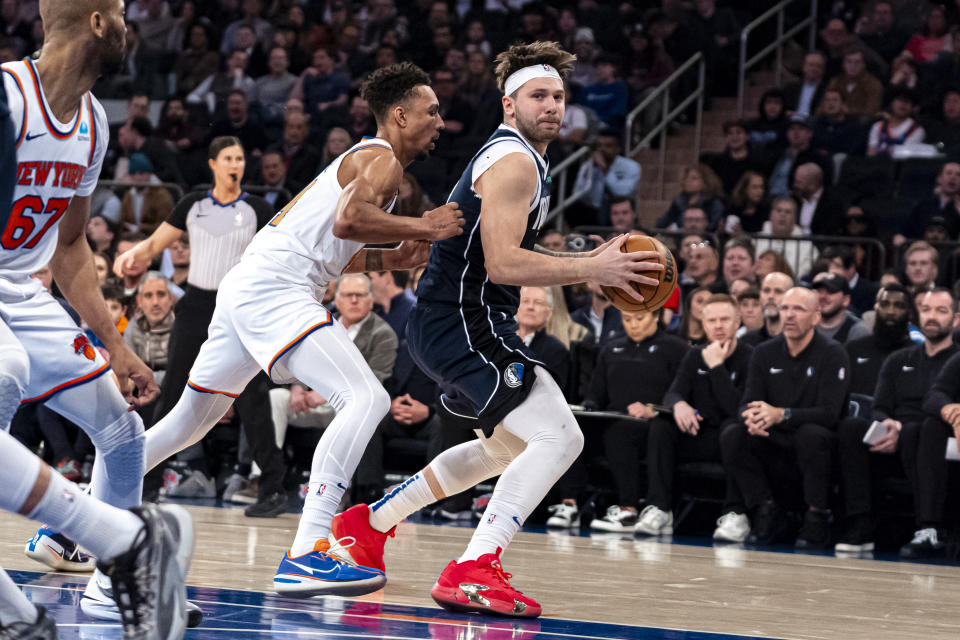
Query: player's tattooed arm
point(408, 255)
point(559, 254)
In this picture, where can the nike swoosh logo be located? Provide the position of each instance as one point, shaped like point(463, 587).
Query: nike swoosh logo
point(862, 360)
point(34, 137)
point(515, 519)
point(617, 349)
point(309, 570)
point(907, 369)
point(772, 370)
point(341, 486)
point(701, 372)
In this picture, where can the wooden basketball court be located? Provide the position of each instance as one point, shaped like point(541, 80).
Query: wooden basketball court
point(604, 586)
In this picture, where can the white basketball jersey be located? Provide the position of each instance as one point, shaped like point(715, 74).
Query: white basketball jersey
point(299, 242)
point(55, 161)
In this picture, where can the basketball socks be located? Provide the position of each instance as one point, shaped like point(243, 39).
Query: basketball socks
point(32, 489)
point(321, 504)
point(14, 606)
point(329, 363)
point(553, 441)
point(409, 497)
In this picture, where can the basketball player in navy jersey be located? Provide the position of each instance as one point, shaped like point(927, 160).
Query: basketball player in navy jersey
point(462, 332)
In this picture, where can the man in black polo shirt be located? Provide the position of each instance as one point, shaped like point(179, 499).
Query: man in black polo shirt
point(942, 410)
point(704, 397)
point(890, 332)
point(631, 374)
point(772, 288)
point(904, 378)
point(795, 394)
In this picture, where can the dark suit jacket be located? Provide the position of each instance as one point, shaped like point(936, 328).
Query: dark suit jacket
point(552, 353)
point(612, 324)
point(791, 96)
point(303, 166)
point(863, 296)
point(827, 216)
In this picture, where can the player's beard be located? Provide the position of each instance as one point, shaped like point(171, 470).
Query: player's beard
point(113, 51)
point(888, 334)
point(530, 131)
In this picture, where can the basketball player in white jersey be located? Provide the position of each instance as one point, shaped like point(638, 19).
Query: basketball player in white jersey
point(463, 334)
point(269, 317)
point(60, 137)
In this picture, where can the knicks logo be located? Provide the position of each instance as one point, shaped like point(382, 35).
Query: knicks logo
point(81, 344)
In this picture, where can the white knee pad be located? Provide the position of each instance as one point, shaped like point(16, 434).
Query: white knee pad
point(121, 444)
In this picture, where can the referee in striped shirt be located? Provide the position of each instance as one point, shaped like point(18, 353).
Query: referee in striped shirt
point(221, 223)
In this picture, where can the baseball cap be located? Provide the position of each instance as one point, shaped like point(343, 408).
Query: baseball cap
point(834, 284)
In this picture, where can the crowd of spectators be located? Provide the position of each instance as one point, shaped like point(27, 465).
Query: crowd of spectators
point(768, 282)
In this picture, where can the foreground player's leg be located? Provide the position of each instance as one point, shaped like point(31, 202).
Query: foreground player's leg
point(145, 552)
point(477, 581)
point(328, 362)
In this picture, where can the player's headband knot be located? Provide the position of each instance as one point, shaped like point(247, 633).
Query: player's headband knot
point(520, 77)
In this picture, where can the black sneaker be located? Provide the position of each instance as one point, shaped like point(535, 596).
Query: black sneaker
point(269, 507)
point(925, 544)
point(43, 629)
point(858, 536)
point(148, 580)
point(815, 532)
point(769, 524)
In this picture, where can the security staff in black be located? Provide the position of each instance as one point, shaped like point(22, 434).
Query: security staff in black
point(221, 223)
point(631, 374)
point(890, 333)
point(905, 378)
point(705, 397)
point(795, 394)
point(941, 406)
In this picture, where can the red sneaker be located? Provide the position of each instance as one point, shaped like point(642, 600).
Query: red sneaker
point(367, 549)
point(481, 586)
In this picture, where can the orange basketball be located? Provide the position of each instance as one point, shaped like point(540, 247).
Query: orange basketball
point(654, 297)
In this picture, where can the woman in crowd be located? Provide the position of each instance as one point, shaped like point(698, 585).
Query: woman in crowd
point(700, 188)
point(691, 327)
point(750, 208)
point(338, 141)
point(770, 261)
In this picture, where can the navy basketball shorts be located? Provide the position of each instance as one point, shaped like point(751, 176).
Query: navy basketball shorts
point(476, 357)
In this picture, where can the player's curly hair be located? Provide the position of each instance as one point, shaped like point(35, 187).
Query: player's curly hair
point(524, 55)
point(392, 85)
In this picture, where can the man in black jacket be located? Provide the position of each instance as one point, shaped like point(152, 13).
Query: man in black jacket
point(942, 422)
point(904, 378)
point(631, 374)
point(704, 397)
point(803, 96)
point(796, 391)
point(890, 332)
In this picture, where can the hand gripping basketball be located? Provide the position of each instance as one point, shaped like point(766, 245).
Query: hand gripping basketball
point(643, 275)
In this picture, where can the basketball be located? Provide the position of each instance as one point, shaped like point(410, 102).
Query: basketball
point(654, 297)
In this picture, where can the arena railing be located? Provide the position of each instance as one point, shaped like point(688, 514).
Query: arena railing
point(119, 188)
point(668, 115)
point(778, 11)
point(800, 252)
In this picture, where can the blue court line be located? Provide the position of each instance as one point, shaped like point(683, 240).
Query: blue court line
point(242, 615)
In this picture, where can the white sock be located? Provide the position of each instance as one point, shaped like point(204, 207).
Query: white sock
point(321, 504)
point(408, 498)
point(103, 530)
point(14, 606)
point(495, 531)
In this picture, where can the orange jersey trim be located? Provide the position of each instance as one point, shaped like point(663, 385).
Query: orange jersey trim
point(43, 108)
point(70, 383)
point(205, 390)
point(299, 339)
point(23, 125)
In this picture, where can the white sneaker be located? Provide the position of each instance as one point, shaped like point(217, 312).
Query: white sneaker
point(564, 515)
point(194, 484)
point(732, 527)
point(617, 520)
point(654, 521)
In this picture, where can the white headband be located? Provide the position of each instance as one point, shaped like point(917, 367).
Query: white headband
point(520, 77)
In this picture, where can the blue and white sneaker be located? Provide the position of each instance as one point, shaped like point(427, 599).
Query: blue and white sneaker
point(58, 552)
point(323, 572)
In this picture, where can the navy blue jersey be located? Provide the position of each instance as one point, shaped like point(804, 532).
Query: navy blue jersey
point(457, 272)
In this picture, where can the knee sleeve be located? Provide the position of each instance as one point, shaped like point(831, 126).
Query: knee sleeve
point(121, 443)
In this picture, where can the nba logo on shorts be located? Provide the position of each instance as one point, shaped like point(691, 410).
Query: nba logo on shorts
point(492, 517)
point(513, 375)
point(322, 488)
